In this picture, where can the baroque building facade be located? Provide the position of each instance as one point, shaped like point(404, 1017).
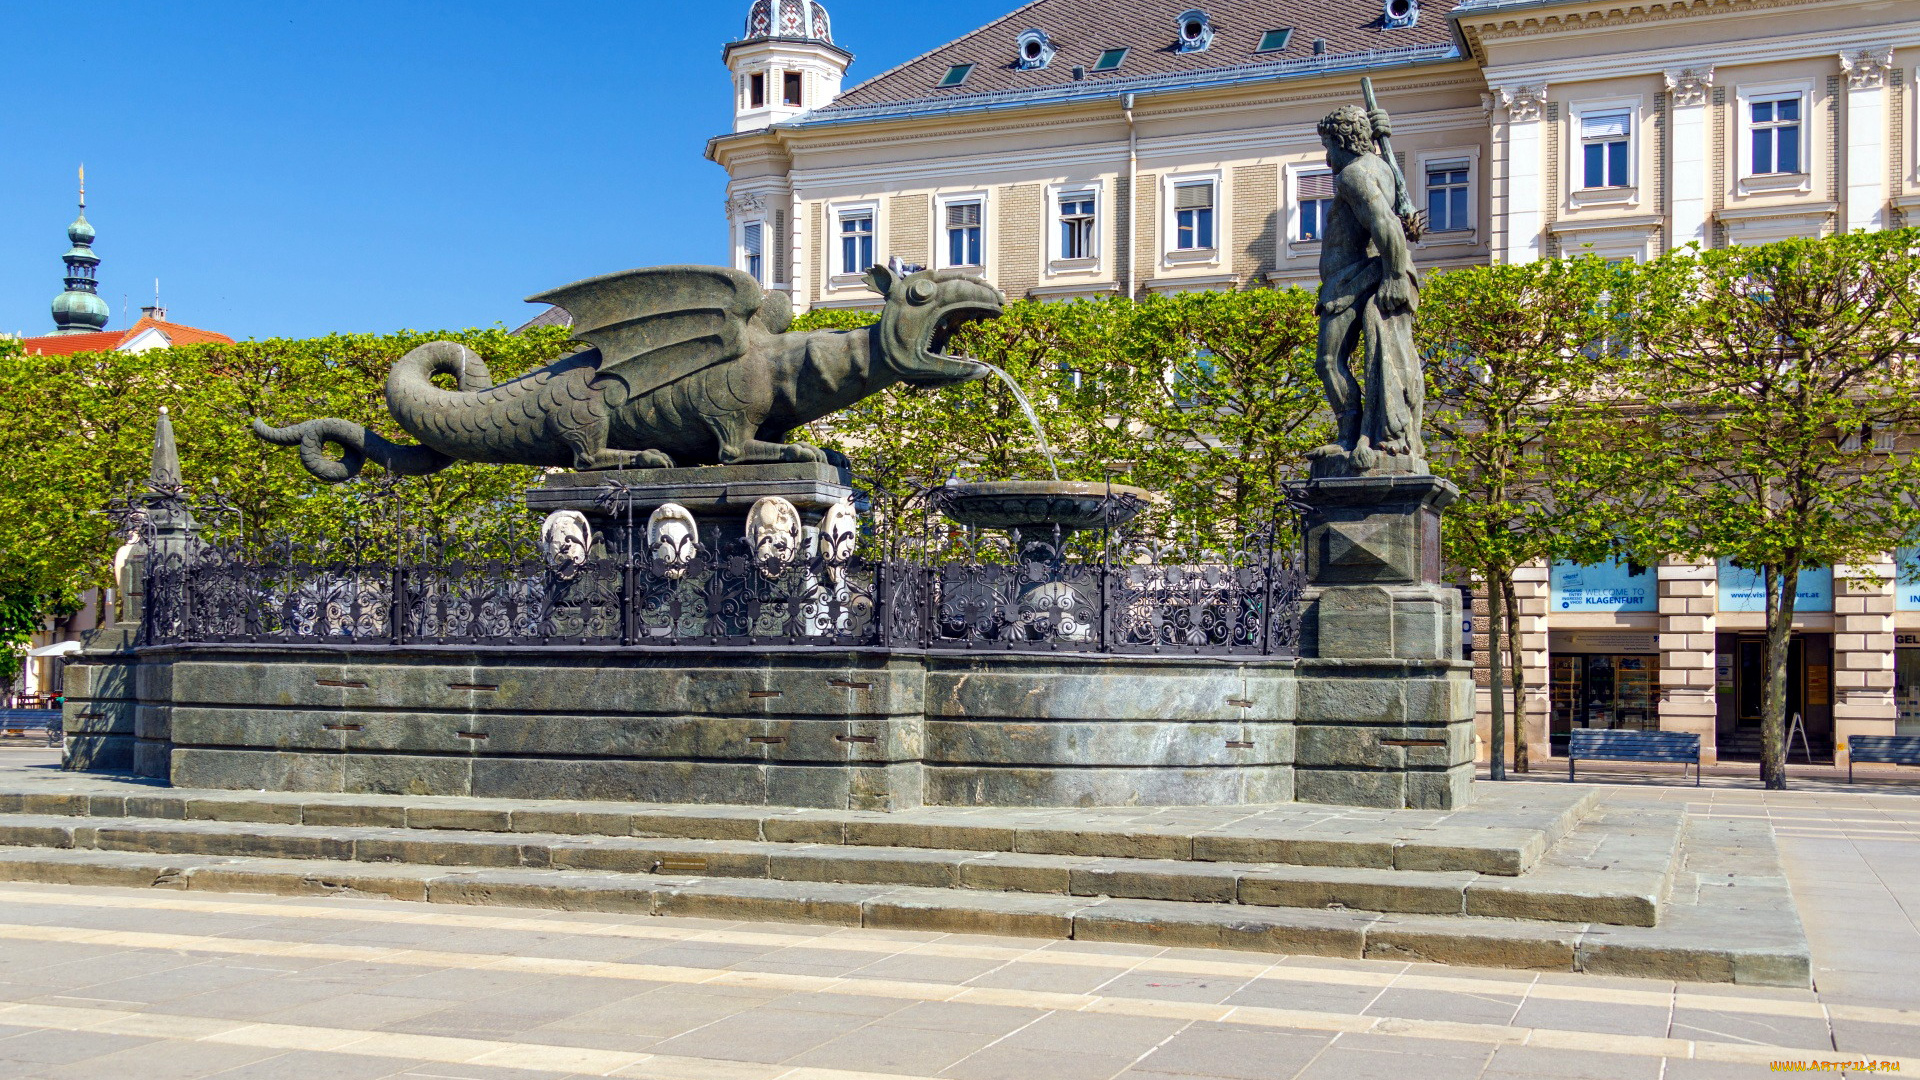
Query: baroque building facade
point(1086, 148)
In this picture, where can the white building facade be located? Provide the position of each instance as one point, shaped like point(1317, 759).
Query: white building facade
point(1085, 148)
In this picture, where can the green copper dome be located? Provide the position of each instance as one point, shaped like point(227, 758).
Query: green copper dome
point(76, 312)
point(80, 310)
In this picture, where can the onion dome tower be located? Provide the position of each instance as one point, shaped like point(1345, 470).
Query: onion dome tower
point(79, 310)
point(785, 62)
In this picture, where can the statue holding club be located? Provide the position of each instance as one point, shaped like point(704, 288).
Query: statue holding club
point(1368, 295)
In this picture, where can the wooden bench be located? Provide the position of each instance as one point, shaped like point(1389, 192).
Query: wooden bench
point(30, 721)
point(1884, 749)
point(1603, 744)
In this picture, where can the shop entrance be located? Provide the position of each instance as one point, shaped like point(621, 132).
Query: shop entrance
point(1602, 690)
point(1809, 694)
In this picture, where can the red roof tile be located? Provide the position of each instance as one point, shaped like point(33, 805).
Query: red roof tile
point(109, 340)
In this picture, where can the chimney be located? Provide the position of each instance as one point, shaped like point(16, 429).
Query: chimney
point(154, 312)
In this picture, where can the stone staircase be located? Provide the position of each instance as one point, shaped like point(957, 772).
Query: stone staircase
point(1532, 876)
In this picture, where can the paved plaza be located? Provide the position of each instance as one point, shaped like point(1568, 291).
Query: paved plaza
point(153, 983)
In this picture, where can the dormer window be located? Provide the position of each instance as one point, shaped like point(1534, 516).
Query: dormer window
point(1400, 14)
point(1275, 40)
point(1195, 31)
point(956, 75)
point(1035, 51)
point(1110, 60)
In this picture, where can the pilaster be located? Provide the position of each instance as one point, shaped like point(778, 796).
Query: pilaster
point(1532, 599)
point(1526, 194)
point(1689, 607)
point(1691, 174)
point(1866, 136)
point(1863, 603)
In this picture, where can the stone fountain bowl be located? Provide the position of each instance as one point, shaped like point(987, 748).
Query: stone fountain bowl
point(1038, 505)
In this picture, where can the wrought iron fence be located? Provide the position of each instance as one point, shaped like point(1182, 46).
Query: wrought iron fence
point(945, 589)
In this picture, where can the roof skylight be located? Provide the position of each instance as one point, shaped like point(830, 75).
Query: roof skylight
point(956, 75)
point(1110, 60)
point(1274, 40)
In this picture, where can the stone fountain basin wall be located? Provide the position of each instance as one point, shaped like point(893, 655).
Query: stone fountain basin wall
point(813, 727)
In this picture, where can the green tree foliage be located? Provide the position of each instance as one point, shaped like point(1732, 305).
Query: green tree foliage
point(1208, 399)
point(80, 431)
point(1771, 370)
point(1518, 359)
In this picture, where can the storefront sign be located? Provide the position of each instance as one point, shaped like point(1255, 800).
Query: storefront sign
point(1742, 590)
point(1907, 579)
point(1608, 586)
point(1906, 639)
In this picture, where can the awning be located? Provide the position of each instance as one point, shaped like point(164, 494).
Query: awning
point(58, 648)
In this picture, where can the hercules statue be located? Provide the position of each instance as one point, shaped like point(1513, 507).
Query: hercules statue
point(1368, 294)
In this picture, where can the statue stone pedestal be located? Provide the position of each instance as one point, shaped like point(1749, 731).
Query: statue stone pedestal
point(1386, 702)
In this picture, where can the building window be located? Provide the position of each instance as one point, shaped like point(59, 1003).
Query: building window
point(1604, 142)
point(956, 75)
point(1110, 60)
point(1447, 196)
point(1193, 216)
point(963, 234)
point(856, 241)
point(790, 88)
point(1076, 225)
point(757, 90)
point(751, 250)
point(1314, 192)
point(1775, 126)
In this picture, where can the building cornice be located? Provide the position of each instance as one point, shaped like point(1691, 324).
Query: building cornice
point(1478, 24)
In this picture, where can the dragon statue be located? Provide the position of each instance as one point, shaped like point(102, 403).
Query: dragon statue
point(689, 365)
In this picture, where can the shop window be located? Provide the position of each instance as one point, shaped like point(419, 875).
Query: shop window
point(1602, 690)
point(1744, 590)
point(1906, 684)
point(1907, 581)
point(1609, 586)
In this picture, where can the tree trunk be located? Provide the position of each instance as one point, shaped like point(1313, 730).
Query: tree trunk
point(1496, 633)
point(1781, 585)
point(1511, 617)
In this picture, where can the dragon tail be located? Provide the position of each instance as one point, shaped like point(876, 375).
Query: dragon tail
point(357, 444)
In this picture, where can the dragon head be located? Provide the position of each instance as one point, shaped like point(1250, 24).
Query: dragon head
point(924, 308)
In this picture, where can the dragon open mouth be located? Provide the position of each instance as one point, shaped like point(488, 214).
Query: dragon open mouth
point(940, 335)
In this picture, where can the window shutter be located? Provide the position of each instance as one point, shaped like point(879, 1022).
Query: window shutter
point(963, 215)
point(751, 240)
point(1193, 197)
point(1603, 125)
point(1315, 185)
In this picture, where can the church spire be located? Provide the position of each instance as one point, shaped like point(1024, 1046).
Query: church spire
point(79, 310)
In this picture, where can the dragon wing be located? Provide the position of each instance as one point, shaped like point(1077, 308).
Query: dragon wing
point(661, 324)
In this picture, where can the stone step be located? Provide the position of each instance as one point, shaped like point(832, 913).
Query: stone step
point(1627, 891)
point(1505, 833)
point(1735, 933)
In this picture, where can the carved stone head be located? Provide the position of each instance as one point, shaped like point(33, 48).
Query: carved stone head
point(673, 538)
point(773, 535)
point(839, 532)
point(1348, 128)
point(565, 538)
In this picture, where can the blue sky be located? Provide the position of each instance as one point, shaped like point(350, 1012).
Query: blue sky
point(296, 169)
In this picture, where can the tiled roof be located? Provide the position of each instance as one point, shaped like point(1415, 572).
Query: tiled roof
point(109, 340)
point(1080, 30)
